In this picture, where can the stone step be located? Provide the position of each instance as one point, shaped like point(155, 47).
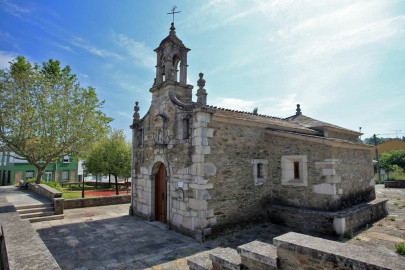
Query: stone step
point(258, 252)
point(46, 218)
point(200, 261)
point(33, 210)
point(37, 214)
point(20, 207)
point(226, 258)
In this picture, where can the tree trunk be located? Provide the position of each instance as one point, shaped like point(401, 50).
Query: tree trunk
point(40, 173)
point(109, 180)
point(96, 180)
point(116, 185)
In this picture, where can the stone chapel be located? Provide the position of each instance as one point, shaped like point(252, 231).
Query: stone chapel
point(202, 169)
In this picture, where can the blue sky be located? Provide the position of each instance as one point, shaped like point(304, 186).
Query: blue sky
point(343, 61)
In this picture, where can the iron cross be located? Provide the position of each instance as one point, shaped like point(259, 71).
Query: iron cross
point(173, 12)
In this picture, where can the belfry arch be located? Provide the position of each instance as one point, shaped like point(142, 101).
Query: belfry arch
point(171, 59)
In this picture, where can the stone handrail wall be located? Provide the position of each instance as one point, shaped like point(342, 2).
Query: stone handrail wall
point(21, 247)
point(44, 190)
point(96, 201)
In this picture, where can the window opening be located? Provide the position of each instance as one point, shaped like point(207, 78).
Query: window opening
point(259, 170)
point(29, 175)
point(65, 175)
point(296, 170)
point(186, 128)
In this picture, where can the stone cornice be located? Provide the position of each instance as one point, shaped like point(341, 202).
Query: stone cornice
point(321, 140)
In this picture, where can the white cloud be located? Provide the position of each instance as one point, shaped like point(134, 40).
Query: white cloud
point(354, 38)
point(125, 114)
point(138, 50)
point(81, 43)
point(67, 48)
point(84, 75)
point(242, 104)
point(5, 58)
point(14, 9)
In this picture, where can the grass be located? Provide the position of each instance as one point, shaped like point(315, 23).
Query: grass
point(392, 218)
point(400, 248)
point(349, 234)
point(392, 176)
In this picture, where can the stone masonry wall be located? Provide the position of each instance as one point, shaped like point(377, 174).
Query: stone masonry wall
point(342, 136)
point(235, 197)
point(184, 160)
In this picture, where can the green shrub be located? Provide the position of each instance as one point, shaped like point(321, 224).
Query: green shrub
point(349, 234)
point(32, 180)
point(400, 248)
point(54, 185)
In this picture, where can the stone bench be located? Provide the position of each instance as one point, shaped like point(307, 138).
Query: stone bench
point(226, 258)
point(258, 255)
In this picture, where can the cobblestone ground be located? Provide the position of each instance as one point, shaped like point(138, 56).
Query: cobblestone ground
point(107, 238)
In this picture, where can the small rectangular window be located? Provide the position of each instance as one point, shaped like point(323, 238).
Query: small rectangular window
point(29, 175)
point(65, 175)
point(186, 128)
point(66, 159)
point(296, 170)
point(259, 170)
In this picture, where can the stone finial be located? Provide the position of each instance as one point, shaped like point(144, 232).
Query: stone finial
point(201, 81)
point(298, 110)
point(201, 93)
point(136, 109)
point(172, 29)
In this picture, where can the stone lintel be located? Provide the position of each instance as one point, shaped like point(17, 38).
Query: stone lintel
point(259, 251)
point(207, 186)
point(227, 258)
point(347, 255)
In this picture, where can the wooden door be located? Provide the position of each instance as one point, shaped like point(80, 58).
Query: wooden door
point(161, 194)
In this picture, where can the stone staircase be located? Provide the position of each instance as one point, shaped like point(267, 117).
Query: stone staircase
point(254, 255)
point(38, 212)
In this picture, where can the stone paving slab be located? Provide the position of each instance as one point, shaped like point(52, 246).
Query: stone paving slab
point(21, 197)
point(106, 237)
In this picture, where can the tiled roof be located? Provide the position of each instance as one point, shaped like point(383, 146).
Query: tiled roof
point(260, 118)
point(309, 122)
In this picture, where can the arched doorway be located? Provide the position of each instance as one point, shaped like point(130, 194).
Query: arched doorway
point(161, 194)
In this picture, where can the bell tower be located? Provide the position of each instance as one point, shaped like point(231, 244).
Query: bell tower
point(171, 65)
point(171, 58)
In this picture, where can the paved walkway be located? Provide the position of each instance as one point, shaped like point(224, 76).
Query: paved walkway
point(107, 238)
point(21, 197)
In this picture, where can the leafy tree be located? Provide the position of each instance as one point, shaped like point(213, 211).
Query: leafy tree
point(45, 114)
point(398, 158)
point(111, 155)
point(385, 163)
point(96, 161)
point(379, 140)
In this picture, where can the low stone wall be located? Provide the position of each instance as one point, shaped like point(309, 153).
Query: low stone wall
point(21, 247)
point(293, 251)
point(339, 222)
point(97, 201)
point(395, 184)
point(45, 191)
point(298, 251)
